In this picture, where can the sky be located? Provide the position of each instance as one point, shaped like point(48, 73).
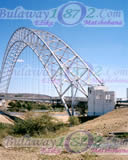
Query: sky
point(103, 47)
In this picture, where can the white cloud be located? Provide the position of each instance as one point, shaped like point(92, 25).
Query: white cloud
point(20, 61)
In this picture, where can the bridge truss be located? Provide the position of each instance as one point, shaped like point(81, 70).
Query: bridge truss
point(69, 71)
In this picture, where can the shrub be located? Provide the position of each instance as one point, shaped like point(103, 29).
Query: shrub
point(73, 120)
point(29, 107)
point(5, 129)
point(87, 156)
point(82, 107)
point(58, 107)
point(37, 126)
point(12, 104)
point(17, 106)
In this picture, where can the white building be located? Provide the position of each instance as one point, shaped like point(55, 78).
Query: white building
point(100, 101)
point(127, 93)
point(2, 102)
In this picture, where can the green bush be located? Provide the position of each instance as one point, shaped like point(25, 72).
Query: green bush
point(5, 129)
point(37, 126)
point(73, 120)
point(82, 107)
point(58, 107)
point(16, 106)
point(4, 126)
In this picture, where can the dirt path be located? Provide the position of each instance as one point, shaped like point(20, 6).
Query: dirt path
point(30, 154)
point(5, 119)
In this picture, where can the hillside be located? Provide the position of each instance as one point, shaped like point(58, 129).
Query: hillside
point(115, 121)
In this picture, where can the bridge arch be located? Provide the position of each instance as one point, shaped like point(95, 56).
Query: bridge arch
point(51, 50)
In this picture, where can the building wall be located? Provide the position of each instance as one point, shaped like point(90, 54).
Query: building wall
point(2, 102)
point(100, 101)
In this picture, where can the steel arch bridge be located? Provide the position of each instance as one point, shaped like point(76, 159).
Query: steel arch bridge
point(69, 71)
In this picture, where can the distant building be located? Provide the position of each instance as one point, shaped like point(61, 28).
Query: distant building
point(127, 93)
point(2, 102)
point(100, 101)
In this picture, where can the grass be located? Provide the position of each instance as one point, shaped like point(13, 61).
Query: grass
point(23, 106)
point(5, 130)
point(45, 126)
point(36, 126)
point(69, 156)
point(73, 121)
point(122, 135)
